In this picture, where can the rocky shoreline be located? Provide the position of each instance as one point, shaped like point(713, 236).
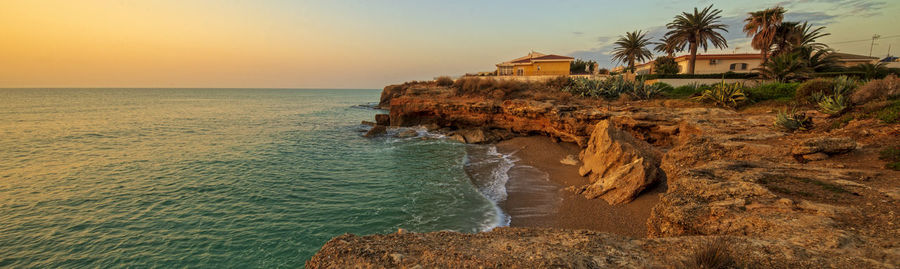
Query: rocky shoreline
point(780, 200)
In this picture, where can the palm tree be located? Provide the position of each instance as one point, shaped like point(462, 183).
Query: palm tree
point(870, 70)
point(668, 46)
point(819, 59)
point(632, 47)
point(762, 25)
point(697, 30)
point(784, 68)
point(790, 36)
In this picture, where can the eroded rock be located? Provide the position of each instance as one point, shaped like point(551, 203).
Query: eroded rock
point(827, 145)
point(619, 166)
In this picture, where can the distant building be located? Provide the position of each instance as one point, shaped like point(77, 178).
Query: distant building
point(536, 64)
point(891, 62)
point(710, 64)
point(851, 60)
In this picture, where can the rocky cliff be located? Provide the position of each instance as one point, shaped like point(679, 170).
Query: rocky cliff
point(817, 199)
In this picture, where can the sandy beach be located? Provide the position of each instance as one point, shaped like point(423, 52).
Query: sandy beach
point(539, 169)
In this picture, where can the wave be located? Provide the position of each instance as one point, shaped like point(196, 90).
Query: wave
point(489, 172)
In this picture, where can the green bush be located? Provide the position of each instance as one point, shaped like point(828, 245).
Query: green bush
point(817, 86)
point(772, 91)
point(724, 95)
point(890, 113)
point(685, 91)
point(665, 65)
point(444, 81)
point(559, 83)
point(792, 121)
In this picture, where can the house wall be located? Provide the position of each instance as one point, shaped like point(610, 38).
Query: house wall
point(724, 65)
point(560, 68)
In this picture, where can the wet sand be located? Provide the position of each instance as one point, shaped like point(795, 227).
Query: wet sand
point(537, 195)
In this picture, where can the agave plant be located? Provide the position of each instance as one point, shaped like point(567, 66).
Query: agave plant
point(834, 104)
point(816, 97)
point(724, 95)
point(843, 85)
point(642, 91)
point(792, 121)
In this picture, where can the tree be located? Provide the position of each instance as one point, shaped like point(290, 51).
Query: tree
point(819, 60)
point(697, 30)
point(632, 47)
point(580, 66)
point(762, 26)
point(668, 46)
point(870, 70)
point(665, 65)
point(791, 36)
point(784, 68)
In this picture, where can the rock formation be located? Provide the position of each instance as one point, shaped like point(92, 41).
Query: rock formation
point(619, 166)
point(728, 175)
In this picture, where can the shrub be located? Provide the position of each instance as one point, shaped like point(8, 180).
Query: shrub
point(811, 87)
point(558, 83)
point(771, 91)
point(724, 95)
point(664, 87)
point(892, 156)
point(889, 114)
point(444, 81)
point(684, 91)
point(728, 75)
point(792, 121)
point(713, 254)
point(642, 91)
point(610, 88)
point(833, 104)
point(877, 89)
point(665, 65)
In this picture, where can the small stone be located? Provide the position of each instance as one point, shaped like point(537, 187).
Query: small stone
point(569, 160)
point(397, 257)
point(369, 123)
point(401, 231)
point(815, 156)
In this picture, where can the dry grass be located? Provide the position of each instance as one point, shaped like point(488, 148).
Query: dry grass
point(712, 254)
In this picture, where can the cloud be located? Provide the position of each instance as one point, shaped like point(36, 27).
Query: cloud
point(576, 33)
point(851, 7)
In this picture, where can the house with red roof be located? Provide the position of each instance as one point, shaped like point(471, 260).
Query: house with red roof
point(536, 64)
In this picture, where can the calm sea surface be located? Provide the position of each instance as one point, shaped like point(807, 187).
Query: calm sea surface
point(213, 177)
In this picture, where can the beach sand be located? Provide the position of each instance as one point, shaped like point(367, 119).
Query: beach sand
point(537, 195)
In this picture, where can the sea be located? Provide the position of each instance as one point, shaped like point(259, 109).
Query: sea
point(228, 178)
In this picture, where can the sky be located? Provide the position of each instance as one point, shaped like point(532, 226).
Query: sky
point(356, 43)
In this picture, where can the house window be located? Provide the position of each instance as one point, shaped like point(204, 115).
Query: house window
point(738, 66)
point(520, 72)
point(539, 68)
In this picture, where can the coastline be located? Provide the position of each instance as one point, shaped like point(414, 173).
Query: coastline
point(526, 192)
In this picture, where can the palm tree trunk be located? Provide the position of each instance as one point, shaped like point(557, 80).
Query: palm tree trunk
point(765, 55)
point(631, 65)
point(693, 61)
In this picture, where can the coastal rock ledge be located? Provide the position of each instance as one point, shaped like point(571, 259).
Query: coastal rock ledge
point(733, 185)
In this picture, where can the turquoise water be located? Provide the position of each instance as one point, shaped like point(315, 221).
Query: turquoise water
point(213, 177)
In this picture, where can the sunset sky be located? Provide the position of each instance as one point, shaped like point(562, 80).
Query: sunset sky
point(353, 44)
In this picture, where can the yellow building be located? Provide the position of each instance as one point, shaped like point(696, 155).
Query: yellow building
point(710, 64)
point(536, 64)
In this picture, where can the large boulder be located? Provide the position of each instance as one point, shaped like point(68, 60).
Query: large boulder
point(619, 166)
